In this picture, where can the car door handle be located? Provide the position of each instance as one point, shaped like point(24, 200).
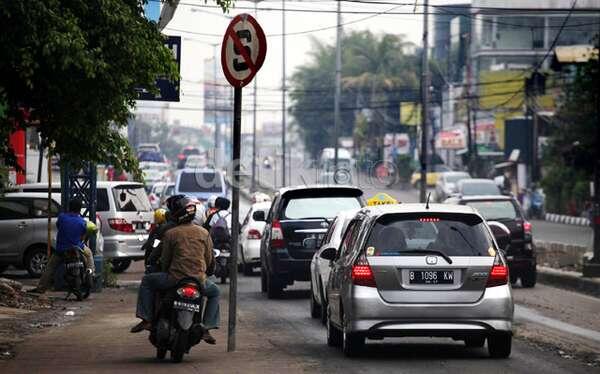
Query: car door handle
point(22, 225)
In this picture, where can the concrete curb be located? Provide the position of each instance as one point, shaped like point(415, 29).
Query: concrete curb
point(568, 220)
point(568, 280)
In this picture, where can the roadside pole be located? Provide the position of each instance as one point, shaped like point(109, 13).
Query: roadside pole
point(242, 55)
point(338, 91)
point(424, 101)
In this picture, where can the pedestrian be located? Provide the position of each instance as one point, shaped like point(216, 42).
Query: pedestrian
point(72, 230)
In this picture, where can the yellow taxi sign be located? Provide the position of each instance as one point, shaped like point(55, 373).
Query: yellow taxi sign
point(381, 199)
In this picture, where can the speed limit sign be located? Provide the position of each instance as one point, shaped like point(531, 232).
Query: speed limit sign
point(243, 51)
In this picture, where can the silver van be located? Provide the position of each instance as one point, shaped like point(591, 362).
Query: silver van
point(126, 217)
point(24, 231)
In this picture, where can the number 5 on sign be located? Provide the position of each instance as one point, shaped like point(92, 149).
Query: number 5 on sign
point(243, 51)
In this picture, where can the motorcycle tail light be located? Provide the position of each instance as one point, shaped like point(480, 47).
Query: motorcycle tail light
point(189, 292)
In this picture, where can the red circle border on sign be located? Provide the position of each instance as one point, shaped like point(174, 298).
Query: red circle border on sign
point(262, 50)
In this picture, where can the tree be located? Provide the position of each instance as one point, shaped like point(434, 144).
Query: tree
point(72, 67)
point(377, 75)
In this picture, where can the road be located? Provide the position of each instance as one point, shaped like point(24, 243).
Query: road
point(279, 335)
point(542, 230)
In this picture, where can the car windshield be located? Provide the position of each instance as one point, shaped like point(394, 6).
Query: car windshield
point(319, 207)
point(131, 199)
point(150, 156)
point(451, 234)
point(494, 210)
point(453, 178)
point(480, 189)
point(209, 181)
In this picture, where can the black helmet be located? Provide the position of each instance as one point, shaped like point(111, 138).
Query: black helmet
point(222, 203)
point(182, 208)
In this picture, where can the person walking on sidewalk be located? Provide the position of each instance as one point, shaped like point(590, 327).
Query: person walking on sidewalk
point(187, 252)
point(72, 229)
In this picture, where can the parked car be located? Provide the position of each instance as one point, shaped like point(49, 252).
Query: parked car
point(24, 231)
point(126, 217)
point(183, 155)
point(411, 270)
point(299, 213)
point(447, 184)
point(433, 173)
point(251, 233)
point(200, 183)
point(521, 254)
point(319, 267)
point(477, 186)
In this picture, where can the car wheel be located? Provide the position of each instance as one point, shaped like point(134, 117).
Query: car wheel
point(248, 269)
point(475, 341)
point(263, 280)
point(273, 287)
point(529, 278)
point(352, 343)
point(161, 353)
point(513, 278)
point(334, 335)
point(120, 265)
point(36, 261)
point(315, 309)
point(499, 345)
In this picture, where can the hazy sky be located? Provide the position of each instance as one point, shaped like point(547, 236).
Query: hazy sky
point(201, 25)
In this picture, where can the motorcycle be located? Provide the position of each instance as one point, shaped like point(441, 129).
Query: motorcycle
point(222, 264)
point(78, 279)
point(178, 326)
point(536, 208)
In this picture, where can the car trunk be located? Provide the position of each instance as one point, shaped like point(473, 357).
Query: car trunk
point(295, 231)
point(463, 281)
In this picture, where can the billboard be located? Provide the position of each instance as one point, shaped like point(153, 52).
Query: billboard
point(168, 90)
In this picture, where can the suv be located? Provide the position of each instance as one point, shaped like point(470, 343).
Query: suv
point(200, 183)
point(126, 217)
point(419, 270)
point(296, 214)
point(520, 254)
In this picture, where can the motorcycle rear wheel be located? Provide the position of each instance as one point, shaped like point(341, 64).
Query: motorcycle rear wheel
point(180, 346)
point(161, 353)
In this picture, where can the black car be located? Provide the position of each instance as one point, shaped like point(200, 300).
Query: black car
point(296, 214)
point(520, 254)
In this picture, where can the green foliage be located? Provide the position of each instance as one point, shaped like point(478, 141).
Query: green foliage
point(571, 152)
point(76, 65)
point(376, 75)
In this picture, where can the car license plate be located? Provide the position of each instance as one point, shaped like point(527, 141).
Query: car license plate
point(431, 277)
point(186, 306)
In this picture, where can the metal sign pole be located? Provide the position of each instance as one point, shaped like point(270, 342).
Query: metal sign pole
point(235, 213)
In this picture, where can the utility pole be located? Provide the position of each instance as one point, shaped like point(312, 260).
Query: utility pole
point(283, 94)
point(424, 101)
point(469, 123)
point(338, 83)
point(253, 183)
point(217, 127)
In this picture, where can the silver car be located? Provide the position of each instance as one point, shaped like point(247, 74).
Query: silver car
point(319, 267)
point(446, 184)
point(411, 270)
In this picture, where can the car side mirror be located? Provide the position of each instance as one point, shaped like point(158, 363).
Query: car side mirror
point(329, 253)
point(310, 243)
point(259, 216)
point(501, 234)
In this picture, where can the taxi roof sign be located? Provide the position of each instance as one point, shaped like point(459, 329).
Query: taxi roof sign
point(381, 199)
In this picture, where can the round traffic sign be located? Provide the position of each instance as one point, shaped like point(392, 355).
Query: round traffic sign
point(243, 51)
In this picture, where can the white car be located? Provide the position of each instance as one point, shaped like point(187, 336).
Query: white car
point(250, 236)
point(155, 172)
point(319, 267)
point(155, 193)
point(196, 162)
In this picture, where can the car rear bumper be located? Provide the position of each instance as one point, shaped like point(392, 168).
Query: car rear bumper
point(124, 247)
point(290, 269)
point(369, 314)
point(251, 252)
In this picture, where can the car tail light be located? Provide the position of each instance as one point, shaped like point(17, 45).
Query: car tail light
point(120, 224)
point(498, 274)
point(152, 226)
point(527, 227)
point(277, 240)
point(362, 274)
point(254, 234)
point(181, 156)
point(189, 292)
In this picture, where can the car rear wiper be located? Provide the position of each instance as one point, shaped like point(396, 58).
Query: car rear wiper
point(430, 251)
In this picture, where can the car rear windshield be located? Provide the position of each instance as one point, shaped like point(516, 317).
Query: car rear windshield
point(480, 189)
point(494, 210)
point(150, 156)
point(319, 207)
point(453, 178)
point(131, 198)
point(201, 182)
point(452, 234)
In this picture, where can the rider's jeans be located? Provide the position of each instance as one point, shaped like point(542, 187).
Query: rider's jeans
point(161, 281)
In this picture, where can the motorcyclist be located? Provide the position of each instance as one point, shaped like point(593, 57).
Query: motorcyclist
point(72, 230)
point(152, 250)
point(221, 218)
point(187, 252)
point(210, 209)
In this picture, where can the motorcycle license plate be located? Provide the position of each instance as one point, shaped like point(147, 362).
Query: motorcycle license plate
point(180, 305)
point(72, 265)
point(225, 254)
